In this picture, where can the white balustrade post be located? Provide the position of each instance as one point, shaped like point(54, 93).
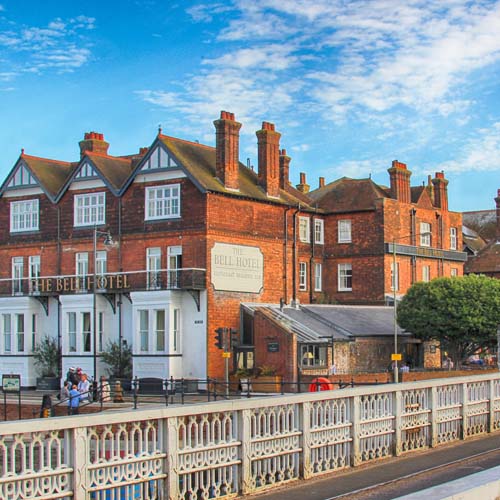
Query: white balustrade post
point(398, 406)
point(356, 428)
point(245, 436)
point(306, 440)
point(78, 447)
point(434, 417)
point(465, 408)
point(172, 459)
point(491, 420)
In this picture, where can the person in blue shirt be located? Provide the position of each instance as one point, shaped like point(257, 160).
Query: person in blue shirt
point(73, 401)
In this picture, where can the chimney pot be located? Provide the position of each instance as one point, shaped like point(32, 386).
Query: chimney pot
point(321, 182)
point(93, 142)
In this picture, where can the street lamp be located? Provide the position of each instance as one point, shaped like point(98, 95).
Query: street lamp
point(108, 241)
point(395, 279)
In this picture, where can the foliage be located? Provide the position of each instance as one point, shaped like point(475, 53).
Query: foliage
point(243, 372)
point(463, 313)
point(118, 359)
point(266, 370)
point(46, 355)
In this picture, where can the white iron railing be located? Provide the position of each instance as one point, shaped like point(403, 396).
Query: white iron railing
point(227, 448)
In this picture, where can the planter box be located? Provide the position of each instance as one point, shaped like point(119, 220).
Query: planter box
point(269, 383)
point(48, 383)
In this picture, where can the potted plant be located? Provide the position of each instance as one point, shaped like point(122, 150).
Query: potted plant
point(242, 376)
point(47, 355)
point(267, 380)
point(119, 361)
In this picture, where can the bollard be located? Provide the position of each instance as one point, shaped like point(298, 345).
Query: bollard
point(118, 392)
point(165, 390)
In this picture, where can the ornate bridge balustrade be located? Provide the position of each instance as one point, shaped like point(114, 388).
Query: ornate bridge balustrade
point(227, 448)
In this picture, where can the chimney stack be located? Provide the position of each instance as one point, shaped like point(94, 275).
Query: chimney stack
point(284, 169)
point(440, 191)
point(227, 146)
point(268, 141)
point(94, 143)
point(321, 182)
point(303, 186)
point(400, 182)
point(497, 201)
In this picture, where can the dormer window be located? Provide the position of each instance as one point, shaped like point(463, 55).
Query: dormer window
point(89, 209)
point(24, 216)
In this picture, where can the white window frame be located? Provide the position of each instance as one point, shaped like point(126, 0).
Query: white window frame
point(151, 334)
point(345, 231)
point(86, 334)
point(101, 259)
point(174, 265)
point(425, 234)
point(313, 355)
point(82, 269)
point(24, 216)
point(17, 275)
point(160, 330)
point(426, 274)
point(344, 276)
point(453, 238)
point(319, 231)
point(454, 272)
point(7, 332)
point(395, 277)
point(143, 328)
point(153, 267)
point(162, 202)
point(34, 272)
point(71, 318)
point(20, 332)
point(176, 331)
point(302, 276)
point(318, 280)
point(89, 209)
point(305, 229)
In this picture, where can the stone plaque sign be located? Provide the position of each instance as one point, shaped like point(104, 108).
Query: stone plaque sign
point(237, 268)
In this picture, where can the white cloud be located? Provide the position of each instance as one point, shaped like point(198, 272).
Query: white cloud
point(301, 147)
point(60, 46)
point(479, 153)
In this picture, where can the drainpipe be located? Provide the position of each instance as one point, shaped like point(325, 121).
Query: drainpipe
point(294, 257)
point(285, 255)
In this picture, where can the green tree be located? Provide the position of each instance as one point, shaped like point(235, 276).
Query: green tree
point(461, 313)
point(46, 355)
point(118, 359)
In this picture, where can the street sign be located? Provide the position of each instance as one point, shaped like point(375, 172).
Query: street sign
point(396, 357)
point(11, 383)
point(226, 354)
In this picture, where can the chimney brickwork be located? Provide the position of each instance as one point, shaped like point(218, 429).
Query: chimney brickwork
point(284, 169)
point(440, 191)
point(400, 182)
point(268, 141)
point(93, 142)
point(227, 147)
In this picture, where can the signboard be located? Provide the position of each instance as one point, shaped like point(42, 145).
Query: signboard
point(11, 383)
point(396, 357)
point(237, 268)
point(226, 354)
point(273, 347)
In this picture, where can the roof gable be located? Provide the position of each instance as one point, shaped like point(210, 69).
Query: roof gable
point(157, 158)
point(420, 196)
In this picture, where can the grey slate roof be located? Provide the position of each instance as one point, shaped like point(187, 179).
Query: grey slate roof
point(312, 323)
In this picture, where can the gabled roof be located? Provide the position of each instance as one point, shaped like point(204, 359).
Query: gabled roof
point(420, 196)
point(486, 261)
point(116, 170)
point(50, 174)
point(346, 195)
point(198, 161)
point(472, 241)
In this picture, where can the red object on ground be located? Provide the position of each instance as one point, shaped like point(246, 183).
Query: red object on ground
point(320, 384)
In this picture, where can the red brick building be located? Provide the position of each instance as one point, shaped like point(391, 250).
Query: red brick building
point(196, 233)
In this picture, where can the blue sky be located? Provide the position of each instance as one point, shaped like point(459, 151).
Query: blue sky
point(350, 85)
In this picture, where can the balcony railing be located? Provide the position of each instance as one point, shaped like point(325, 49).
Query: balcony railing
point(132, 281)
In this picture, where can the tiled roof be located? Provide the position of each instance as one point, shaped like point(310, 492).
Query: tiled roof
point(486, 261)
point(199, 162)
point(345, 195)
point(52, 174)
point(115, 169)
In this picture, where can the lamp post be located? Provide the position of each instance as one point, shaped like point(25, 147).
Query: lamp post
point(108, 240)
point(395, 279)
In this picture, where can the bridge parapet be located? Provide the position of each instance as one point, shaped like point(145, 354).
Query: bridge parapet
point(226, 448)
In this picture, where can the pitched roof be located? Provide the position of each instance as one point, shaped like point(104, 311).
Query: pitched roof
point(486, 261)
point(318, 323)
point(116, 170)
point(51, 174)
point(345, 195)
point(199, 163)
